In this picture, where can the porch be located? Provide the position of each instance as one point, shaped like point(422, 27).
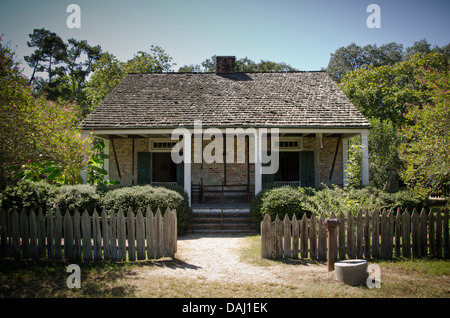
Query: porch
point(306, 158)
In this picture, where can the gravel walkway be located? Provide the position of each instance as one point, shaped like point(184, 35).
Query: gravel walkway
point(217, 258)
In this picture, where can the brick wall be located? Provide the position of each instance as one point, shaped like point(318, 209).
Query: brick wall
point(237, 173)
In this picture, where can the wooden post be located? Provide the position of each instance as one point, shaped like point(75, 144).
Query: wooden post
point(113, 236)
point(350, 236)
point(58, 234)
point(375, 234)
point(423, 233)
point(68, 236)
point(50, 236)
point(105, 235)
point(446, 236)
point(15, 227)
point(96, 234)
point(159, 233)
point(406, 234)
point(367, 235)
point(24, 234)
point(398, 232)
point(278, 235)
point(415, 230)
point(121, 236)
point(151, 237)
point(41, 234)
point(359, 235)
point(33, 236)
point(331, 225)
point(438, 252)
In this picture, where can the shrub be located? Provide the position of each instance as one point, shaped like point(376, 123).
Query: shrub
point(141, 197)
point(77, 197)
point(29, 195)
point(279, 200)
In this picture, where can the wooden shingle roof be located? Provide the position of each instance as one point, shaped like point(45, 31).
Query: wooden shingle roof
point(297, 99)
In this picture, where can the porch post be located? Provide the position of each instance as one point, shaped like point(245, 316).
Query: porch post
point(258, 168)
point(365, 158)
point(187, 164)
point(345, 161)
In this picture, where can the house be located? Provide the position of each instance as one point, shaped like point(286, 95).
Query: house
point(303, 115)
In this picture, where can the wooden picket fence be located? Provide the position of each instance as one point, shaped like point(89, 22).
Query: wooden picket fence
point(27, 235)
point(371, 236)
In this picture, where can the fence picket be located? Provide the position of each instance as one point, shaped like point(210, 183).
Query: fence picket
point(304, 237)
point(438, 253)
point(33, 236)
point(266, 237)
point(415, 231)
point(313, 237)
point(24, 234)
point(86, 239)
point(287, 237)
point(397, 232)
point(159, 233)
point(367, 235)
point(58, 234)
point(50, 236)
point(15, 221)
point(278, 238)
point(140, 235)
point(41, 234)
point(131, 235)
point(322, 245)
point(151, 235)
point(341, 233)
point(446, 236)
point(423, 233)
point(68, 236)
point(406, 234)
point(359, 235)
point(105, 236)
point(113, 237)
point(375, 234)
point(350, 236)
point(96, 234)
point(77, 235)
point(121, 237)
point(3, 235)
point(295, 237)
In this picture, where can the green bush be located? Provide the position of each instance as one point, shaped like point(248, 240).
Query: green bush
point(79, 197)
point(141, 197)
point(278, 201)
point(29, 195)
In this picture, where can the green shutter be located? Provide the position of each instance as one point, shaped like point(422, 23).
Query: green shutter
point(143, 165)
point(307, 169)
point(180, 174)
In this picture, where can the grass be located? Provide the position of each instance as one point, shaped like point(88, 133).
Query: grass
point(400, 278)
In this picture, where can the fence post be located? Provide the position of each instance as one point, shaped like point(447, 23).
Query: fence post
point(331, 225)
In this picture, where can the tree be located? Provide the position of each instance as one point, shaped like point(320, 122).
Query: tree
point(242, 65)
point(426, 147)
point(34, 130)
point(107, 73)
point(383, 92)
point(80, 59)
point(154, 61)
point(50, 51)
point(354, 57)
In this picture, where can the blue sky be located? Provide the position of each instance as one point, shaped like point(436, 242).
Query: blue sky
point(299, 33)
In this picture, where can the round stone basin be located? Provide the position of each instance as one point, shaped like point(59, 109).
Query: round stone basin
point(351, 272)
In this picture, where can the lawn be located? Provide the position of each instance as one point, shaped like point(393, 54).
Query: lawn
point(423, 278)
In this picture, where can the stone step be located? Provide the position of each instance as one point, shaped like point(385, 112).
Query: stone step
point(213, 220)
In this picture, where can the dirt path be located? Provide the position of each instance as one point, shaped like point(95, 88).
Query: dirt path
point(217, 258)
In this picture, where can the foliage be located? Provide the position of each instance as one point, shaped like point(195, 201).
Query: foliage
point(142, 197)
point(94, 167)
point(384, 92)
point(384, 161)
point(79, 197)
point(426, 147)
point(242, 65)
point(278, 200)
point(354, 162)
point(29, 195)
point(330, 199)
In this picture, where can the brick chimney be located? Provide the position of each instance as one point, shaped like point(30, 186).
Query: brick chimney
point(225, 64)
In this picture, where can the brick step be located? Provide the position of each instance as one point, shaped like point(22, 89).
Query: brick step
point(213, 221)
